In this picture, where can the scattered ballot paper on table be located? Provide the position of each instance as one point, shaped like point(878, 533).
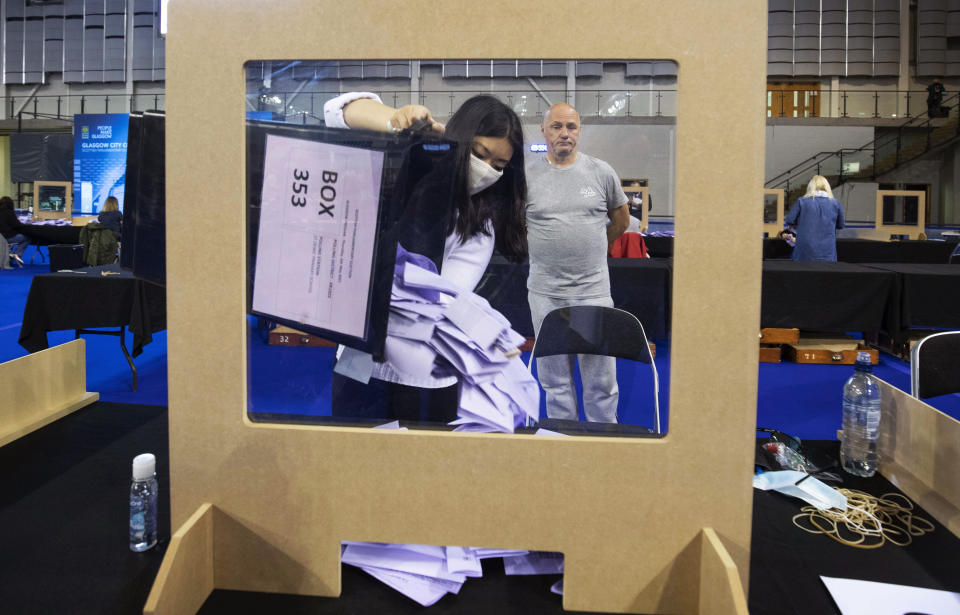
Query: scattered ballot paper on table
point(534, 562)
point(426, 573)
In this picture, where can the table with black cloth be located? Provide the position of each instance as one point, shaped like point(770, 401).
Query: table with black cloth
point(64, 514)
point(86, 298)
point(929, 296)
point(830, 297)
point(52, 234)
point(786, 562)
point(849, 250)
point(641, 286)
point(853, 250)
point(659, 246)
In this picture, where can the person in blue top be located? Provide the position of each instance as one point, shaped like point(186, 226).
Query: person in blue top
point(814, 219)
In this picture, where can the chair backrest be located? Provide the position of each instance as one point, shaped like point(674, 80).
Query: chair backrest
point(591, 329)
point(99, 244)
point(935, 365)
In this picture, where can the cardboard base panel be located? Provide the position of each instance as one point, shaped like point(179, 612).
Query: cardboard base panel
point(43, 387)
point(188, 573)
point(919, 454)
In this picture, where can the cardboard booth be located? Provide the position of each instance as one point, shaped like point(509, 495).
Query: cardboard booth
point(645, 525)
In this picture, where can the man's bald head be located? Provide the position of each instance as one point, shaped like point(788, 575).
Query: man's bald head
point(562, 108)
point(561, 129)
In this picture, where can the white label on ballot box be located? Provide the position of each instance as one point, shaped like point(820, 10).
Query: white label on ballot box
point(317, 226)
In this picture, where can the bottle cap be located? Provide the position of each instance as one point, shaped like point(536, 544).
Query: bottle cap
point(144, 466)
point(864, 357)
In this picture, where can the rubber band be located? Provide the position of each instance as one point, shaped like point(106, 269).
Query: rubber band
point(868, 522)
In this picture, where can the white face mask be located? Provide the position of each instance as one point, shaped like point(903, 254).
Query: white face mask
point(481, 176)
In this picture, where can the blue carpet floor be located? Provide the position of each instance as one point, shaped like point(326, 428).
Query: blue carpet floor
point(803, 400)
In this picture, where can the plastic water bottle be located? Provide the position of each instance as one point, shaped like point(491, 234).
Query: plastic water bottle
point(143, 503)
point(861, 419)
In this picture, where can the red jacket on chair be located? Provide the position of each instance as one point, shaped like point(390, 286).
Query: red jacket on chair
point(628, 245)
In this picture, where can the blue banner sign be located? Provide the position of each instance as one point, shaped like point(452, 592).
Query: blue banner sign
point(99, 160)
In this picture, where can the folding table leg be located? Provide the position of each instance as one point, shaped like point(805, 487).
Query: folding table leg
point(123, 347)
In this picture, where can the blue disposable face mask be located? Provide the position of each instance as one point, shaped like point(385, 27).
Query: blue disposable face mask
point(809, 489)
point(481, 175)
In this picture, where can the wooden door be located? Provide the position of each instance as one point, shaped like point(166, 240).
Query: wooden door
point(790, 99)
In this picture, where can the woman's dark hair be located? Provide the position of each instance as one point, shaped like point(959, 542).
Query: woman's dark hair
point(504, 202)
point(6, 203)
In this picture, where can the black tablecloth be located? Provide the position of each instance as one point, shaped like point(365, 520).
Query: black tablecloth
point(641, 286)
point(929, 295)
point(908, 251)
point(849, 250)
point(832, 297)
point(813, 296)
point(786, 562)
point(64, 300)
point(50, 234)
point(64, 514)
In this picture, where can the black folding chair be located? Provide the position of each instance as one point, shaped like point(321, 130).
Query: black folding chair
point(596, 330)
point(935, 365)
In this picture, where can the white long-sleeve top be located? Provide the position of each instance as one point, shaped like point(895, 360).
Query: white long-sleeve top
point(463, 261)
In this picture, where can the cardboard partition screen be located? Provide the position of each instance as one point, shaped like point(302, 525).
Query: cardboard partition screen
point(628, 514)
point(773, 211)
point(900, 213)
point(52, 200)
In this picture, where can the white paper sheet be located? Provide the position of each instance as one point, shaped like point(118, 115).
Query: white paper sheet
point(478, 324)
point(420, 329)
point(409, 357)
point(546, 432)
point(355, 364)
point(418, 277)
point(424, 590)
point(535, 562)
point(399, 559)
point(463, 561)
point(484, 553)
point(856, 597)
point(315, 241)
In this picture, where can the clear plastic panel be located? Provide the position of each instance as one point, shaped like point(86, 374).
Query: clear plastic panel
point(433, 355)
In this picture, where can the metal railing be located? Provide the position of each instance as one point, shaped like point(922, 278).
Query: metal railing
point(901, 144)
point(867, 104)
point(307, 107)
point(65, 106)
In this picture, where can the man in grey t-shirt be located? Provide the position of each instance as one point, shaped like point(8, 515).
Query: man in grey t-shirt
point(571, 196)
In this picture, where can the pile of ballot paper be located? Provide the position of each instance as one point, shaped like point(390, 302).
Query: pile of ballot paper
point(432, 317)
point(426, 573)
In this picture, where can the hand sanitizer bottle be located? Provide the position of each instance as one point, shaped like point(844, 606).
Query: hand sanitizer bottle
point(143, 503)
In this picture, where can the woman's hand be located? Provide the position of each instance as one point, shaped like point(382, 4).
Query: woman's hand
point(414, 117)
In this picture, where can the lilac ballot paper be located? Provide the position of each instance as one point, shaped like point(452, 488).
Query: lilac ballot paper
point(317, 231)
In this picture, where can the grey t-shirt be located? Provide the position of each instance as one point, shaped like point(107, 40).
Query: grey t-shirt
point(567, 226)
